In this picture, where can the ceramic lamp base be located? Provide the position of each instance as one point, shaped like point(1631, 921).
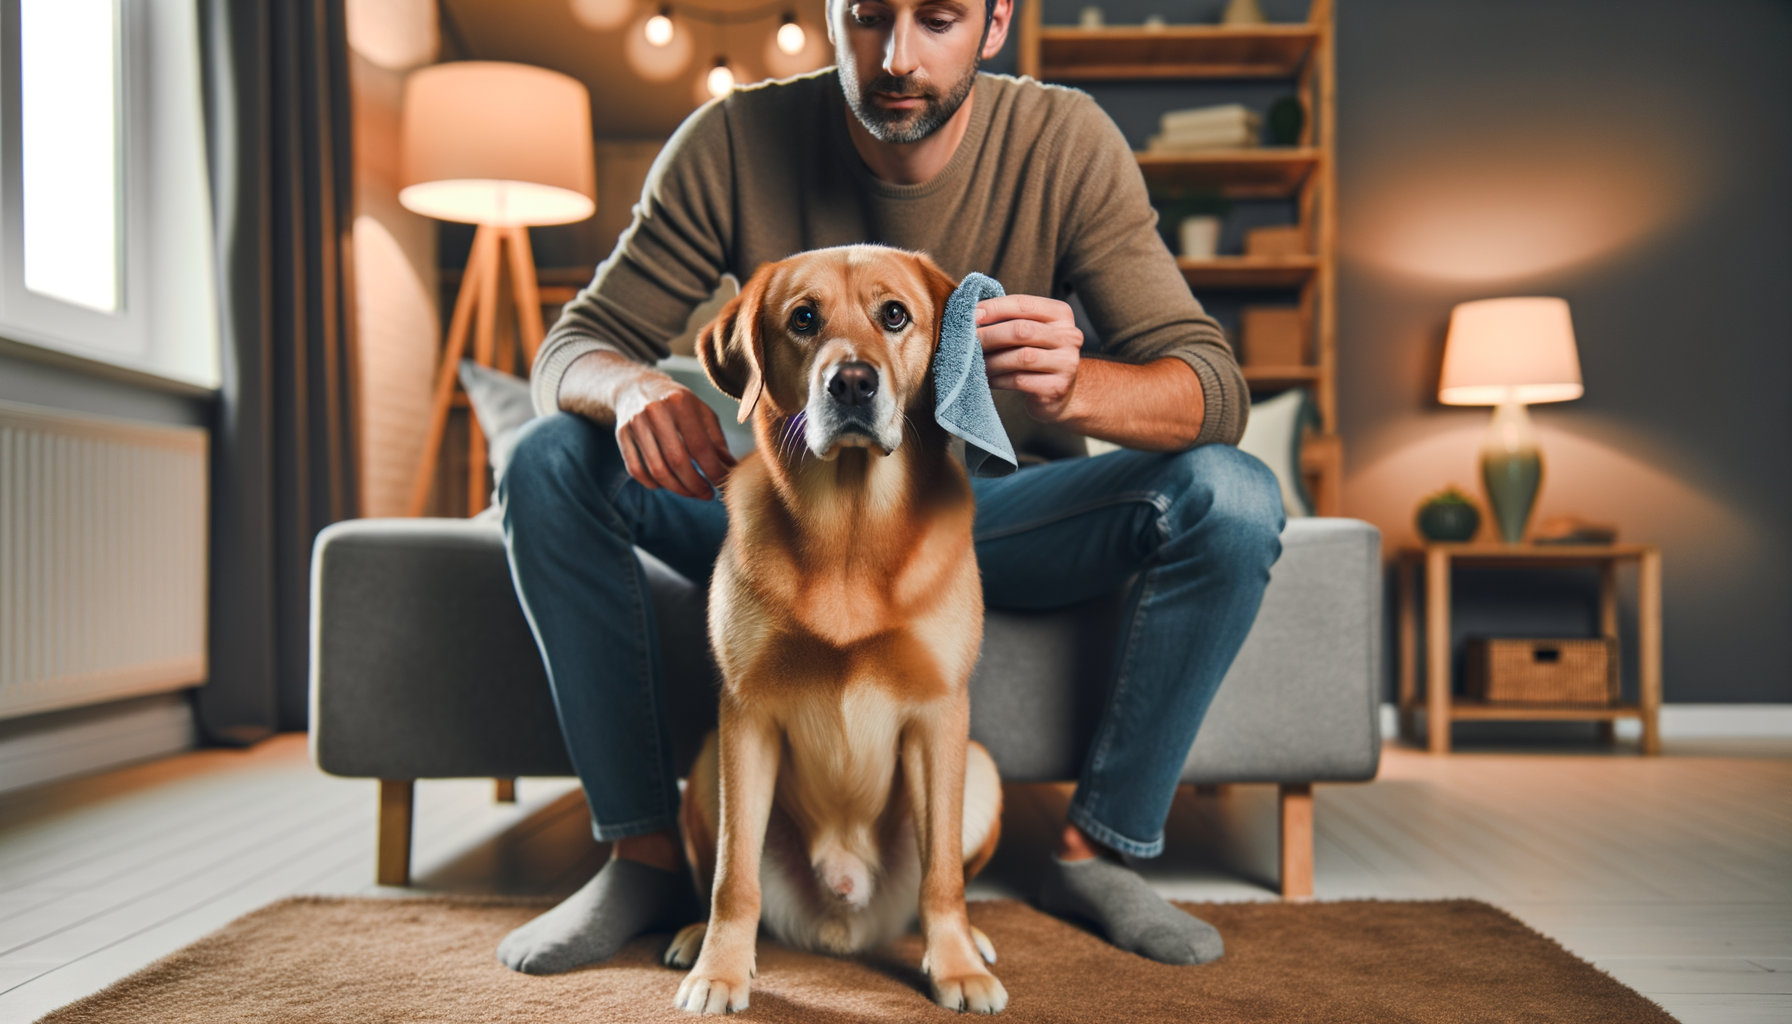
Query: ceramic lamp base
point(1511, 469)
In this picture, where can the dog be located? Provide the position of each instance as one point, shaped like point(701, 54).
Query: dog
point(840, 792)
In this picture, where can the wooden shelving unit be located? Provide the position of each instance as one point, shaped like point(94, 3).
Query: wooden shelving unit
point(1069, 54)
point(1301, 53)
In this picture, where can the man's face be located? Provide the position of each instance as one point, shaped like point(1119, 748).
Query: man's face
point(906, 66)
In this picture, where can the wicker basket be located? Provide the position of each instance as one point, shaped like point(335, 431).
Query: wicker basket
point(1543, 671)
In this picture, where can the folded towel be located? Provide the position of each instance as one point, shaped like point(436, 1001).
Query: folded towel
point(962, 402)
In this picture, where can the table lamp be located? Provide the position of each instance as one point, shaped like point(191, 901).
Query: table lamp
point(504, 146)
point(1510, 353)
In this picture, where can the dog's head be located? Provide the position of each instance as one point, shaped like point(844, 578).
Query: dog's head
point(841, 338)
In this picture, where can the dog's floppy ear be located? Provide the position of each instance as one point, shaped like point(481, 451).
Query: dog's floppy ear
point(732, 349)
point(939, 288)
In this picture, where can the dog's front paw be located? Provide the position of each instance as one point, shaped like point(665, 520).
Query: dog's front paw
point(682, 953)
point(706, 990)
point(971, 993)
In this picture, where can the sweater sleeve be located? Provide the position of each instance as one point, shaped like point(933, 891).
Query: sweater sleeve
point(1128, 282)
point(668, 261)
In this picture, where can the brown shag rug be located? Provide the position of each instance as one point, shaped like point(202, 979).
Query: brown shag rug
point(329, 959)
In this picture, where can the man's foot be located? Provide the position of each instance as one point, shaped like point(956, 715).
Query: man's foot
point(1124, 905)
point(620, 902)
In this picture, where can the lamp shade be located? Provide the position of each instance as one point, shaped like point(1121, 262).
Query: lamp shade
point(487, 142)
point(1510, 350)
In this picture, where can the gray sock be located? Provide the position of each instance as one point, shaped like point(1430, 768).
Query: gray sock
point(620, 902)
point(1124, 905)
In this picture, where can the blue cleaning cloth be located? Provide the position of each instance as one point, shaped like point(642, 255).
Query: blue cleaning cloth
point(962, 402)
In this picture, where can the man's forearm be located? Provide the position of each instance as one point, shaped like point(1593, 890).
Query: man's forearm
point(594, 382)
point(1157, 406)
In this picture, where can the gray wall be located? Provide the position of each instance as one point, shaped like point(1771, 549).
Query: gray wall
point(1631, 157)
point(40, 378)
point(1635, 159)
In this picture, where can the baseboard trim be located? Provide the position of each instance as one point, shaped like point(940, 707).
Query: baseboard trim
point(80, 741)
point(1687, 721)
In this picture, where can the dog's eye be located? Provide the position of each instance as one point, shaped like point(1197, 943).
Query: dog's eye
point(894, 316)
point(803, 320)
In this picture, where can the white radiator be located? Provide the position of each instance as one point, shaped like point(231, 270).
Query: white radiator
point(102, 559)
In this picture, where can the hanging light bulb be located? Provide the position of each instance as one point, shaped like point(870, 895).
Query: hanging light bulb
point(660, 62)
point(791, 37)
point(602, 15)
point(721, 80)
point(659, 27)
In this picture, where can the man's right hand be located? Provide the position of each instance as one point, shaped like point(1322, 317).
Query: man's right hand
point(661, 425)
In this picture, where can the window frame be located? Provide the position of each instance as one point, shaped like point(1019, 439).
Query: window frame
point(166, 324)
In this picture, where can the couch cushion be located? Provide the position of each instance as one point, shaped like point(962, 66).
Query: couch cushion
point(1299, 704)
point(424, 666)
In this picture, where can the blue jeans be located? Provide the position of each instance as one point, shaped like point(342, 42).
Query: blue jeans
point(1198, 529)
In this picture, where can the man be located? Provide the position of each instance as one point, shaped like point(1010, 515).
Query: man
point(905, 144)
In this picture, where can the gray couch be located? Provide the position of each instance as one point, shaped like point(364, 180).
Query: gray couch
point(422, 666)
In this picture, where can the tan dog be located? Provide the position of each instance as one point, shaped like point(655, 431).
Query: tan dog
point(846, 613)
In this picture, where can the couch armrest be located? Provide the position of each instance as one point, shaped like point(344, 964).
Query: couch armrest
point(422, 664)
point(1302, 701)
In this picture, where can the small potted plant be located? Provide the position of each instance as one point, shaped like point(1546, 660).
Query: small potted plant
point(1449, 515)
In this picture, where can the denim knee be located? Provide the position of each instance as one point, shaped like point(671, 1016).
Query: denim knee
point(557, 458)
point(1231, 499)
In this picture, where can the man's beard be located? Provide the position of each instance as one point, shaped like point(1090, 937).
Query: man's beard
point(903, 126)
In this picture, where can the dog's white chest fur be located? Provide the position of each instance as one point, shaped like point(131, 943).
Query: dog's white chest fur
point(841, 871)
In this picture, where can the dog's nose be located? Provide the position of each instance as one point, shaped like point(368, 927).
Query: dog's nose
point(853, 384)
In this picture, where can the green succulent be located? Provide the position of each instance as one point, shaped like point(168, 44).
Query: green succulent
point(1450, 495)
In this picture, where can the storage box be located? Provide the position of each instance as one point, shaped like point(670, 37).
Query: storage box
point(1543, 671)
point(1288, 240)
point(1273, 336)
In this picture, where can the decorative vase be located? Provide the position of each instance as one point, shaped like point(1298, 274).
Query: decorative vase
point(1200, 237)
point(1286, 118)
point(1243, 12)
point(1511, 469)
point(1449, 517)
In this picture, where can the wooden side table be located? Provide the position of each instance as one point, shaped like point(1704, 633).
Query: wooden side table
point(1441, 709)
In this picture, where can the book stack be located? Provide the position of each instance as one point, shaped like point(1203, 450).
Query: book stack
point(1227, 127)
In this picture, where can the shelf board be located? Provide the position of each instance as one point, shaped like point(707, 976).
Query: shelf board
point(1270, 378)
point(1462, 709)
point(1271, 171)
point(1249, 271)
point(1071, 54)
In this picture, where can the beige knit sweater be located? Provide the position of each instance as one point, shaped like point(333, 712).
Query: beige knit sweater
point(1043, 195)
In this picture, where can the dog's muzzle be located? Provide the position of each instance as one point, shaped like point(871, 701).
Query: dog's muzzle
point(849, 407)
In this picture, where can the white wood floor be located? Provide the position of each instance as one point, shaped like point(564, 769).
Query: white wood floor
point(1674, 874)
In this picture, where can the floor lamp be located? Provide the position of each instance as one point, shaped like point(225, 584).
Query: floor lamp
point(503, 146)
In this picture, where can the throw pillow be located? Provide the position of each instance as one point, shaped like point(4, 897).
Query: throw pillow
point(502, 404)
point(1274, 435)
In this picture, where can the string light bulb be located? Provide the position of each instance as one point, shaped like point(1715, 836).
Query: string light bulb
point(791, 37)
point(659, 27)
point(721, 80)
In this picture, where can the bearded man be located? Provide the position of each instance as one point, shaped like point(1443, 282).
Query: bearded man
point(903, 143)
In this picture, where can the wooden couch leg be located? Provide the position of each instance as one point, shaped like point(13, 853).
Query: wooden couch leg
point(394, 859)
point(1295, 807)
point(506, 791)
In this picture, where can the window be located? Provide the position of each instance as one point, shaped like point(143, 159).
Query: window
point(105, 209)
point(68, 130)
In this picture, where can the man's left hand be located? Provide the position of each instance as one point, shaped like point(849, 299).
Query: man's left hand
point(1032, 345)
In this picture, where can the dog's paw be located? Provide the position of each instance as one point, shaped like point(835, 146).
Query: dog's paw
point(985, 948)
point(704, 992)
point(971, 993)
point(682, 953)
